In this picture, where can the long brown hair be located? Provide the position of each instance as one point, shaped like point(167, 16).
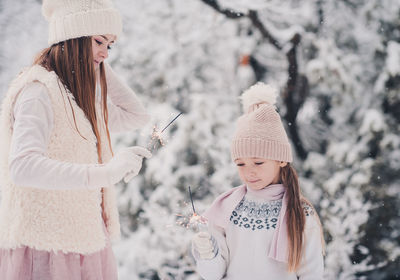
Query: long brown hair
point(72, 61)
point(295, 216)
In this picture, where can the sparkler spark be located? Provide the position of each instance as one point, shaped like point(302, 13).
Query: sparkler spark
point(156, 136)
point(191, 220)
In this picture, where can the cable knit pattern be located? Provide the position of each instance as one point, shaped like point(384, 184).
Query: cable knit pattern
point(52, 220)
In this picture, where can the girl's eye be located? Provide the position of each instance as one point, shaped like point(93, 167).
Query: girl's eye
point(98, 42)
point(240, 164)
point(108, 47)
point(259, 163)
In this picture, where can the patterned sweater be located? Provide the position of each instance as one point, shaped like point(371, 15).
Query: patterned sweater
point(243, 245)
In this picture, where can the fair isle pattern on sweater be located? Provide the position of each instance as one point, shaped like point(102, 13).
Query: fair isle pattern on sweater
point(55, 220)
point(253, 215)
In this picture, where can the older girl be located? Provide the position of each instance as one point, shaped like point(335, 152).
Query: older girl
point(58, 210)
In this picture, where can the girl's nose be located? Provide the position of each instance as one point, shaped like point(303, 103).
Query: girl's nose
point(250, 171)
point(104, 53)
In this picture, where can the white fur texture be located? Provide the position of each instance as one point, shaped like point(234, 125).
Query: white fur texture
point(56, 220)
point(258, 93)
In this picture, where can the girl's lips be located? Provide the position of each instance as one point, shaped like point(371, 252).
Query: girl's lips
point(253, 181)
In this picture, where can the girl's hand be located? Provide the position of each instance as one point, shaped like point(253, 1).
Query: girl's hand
point(203, 244)
point(126, 164)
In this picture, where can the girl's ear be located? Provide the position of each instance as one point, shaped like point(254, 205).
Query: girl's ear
point(282, 163)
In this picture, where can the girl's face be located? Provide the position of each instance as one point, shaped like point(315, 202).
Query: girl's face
point(101, 44)
point(257, 173)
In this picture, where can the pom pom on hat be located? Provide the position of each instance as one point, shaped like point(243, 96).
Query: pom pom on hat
point(258, 94)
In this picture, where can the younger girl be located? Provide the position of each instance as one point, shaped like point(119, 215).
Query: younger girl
point(264, 229)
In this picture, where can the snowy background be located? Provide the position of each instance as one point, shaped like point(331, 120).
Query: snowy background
point(337, 65)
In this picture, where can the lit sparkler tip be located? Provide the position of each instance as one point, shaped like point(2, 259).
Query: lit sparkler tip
point(156, 136)
point(191, 221)
point(197, 219)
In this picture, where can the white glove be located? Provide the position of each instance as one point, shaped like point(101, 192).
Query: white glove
point(203, 244)
point(126, 164)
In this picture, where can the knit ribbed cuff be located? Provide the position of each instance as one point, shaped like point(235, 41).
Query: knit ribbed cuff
point(254, 147)
point(85, 23)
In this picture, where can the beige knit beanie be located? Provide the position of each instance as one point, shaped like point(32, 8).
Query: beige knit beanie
point(70, 19)
point(259, 132)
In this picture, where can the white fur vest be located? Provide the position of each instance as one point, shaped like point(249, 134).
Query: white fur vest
point(55, 220)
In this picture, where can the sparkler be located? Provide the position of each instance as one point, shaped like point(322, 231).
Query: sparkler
point(156, 136)
point(191, 199)
point(192, 220)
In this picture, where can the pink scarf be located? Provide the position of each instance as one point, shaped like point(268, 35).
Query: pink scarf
point(221, 209)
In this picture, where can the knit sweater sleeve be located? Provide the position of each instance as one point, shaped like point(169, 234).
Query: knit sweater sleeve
point(125, 109)
point(214, 269)
point(28, 164)
point(312, 263)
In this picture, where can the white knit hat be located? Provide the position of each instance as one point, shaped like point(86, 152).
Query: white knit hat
point(260, 132)
point(70, 19)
